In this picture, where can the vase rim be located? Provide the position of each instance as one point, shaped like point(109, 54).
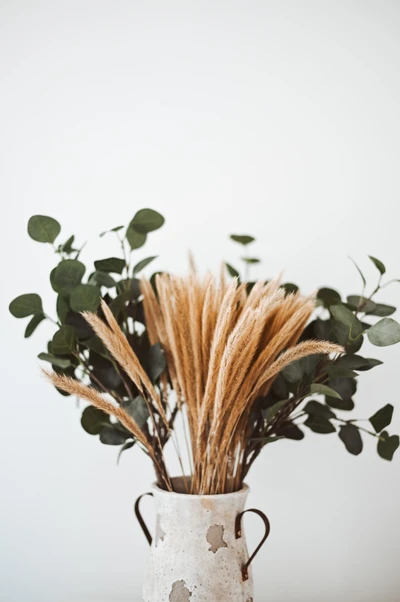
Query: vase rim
point(243, 491)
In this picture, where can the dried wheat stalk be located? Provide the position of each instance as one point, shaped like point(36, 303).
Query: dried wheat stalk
point(224, 347)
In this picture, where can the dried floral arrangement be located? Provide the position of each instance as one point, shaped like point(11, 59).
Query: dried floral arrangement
point(244, 363)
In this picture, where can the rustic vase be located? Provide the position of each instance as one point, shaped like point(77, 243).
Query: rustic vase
point(198, 552)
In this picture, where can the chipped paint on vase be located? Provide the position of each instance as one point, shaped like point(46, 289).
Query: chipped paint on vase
point(194, 555)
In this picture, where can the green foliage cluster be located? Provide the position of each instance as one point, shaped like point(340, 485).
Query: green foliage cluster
point(315, 393)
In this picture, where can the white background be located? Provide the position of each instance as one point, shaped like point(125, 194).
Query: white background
point(279, 119)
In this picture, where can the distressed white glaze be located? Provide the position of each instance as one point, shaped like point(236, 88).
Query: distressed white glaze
point(195, 556)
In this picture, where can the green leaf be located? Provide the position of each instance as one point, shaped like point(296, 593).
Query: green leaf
point(126, 446)
point(378, 264)
point(356, 362)
point(315, 408)
point(382, 311)
point(319, 424)
point(94, 420)
point(382, 418)
point(55, 361)
point(243, 239)
point(350, 435)
point(324, 390)
point(344, 315)
point(156, 361)
point(43, 228)
point(266, 440)
point(67, 246)
point(33, 324)
point(293, 373)
point(345, 405)
point(290, 287)
point(231, 271)
point(111, 264)
point(335, 371)
point(143, 263)
point(85, 297)
point(26, 305)
point(328, 296)
point(135, 239)
point(359, 303)
point(360, 272)
point(63, 308)
point(291, 431)
point(387, 445)
point(250, 259)
point(147, 220)
point(385, 332)
point(63, 341)
point(269, 413)
point(67, 275)
point(103, 279)
point(116, 229)
point(113, 436)
point(137, 408)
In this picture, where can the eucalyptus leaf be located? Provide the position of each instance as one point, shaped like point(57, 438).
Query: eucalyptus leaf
point(347, 317)
point(378, 264)
point(67, 247)
point(387, 445)
point(324, 390)
point(94, 420)
point(33, 324)
point(137, 409)
point(143, 263)
point(85, 297)
point(67, 275)
point(63, 307)
point(328, 296)
point(290, 287)
point(116, 229)
point(135, 239)
point(293, 373)
point(55, 361)
point(335, 371)
point(291, 431)
point(231, 271)
point(111, 435)
point(250, 260)
point(356, 362)
point(26, 305)
point(103, 279)
point(63, 342)
point(382, 311)
point(385, 332)
point(147, 220)
point(270, 413)
point(243, 239)
point(315, 408)
point(350, 435)
point(110, 264)
point(361, 304)
point(319, 424)
point(382, 418)
point(43, 228)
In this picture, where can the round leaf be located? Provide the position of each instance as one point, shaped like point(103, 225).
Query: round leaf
point(350, 435)
point(387, 445)
point(382, 418)
point(43, 228)
point(135, 239)
point(137, 409)
point(85, 297)
point(113, 436)
point(94, 420)
point(328, 296)
point(26, 305)
point(63, 341)
point(67, 275)
point(147, 220)
point(385, 332)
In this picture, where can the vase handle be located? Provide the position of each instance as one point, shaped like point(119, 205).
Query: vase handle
point(140, 518)
point(238, 534)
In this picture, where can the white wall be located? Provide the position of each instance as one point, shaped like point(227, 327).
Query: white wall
point(279, 119)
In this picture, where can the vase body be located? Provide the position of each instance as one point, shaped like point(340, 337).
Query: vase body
point(197, 554)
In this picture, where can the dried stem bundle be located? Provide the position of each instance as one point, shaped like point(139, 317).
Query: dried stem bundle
point(224, 346)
